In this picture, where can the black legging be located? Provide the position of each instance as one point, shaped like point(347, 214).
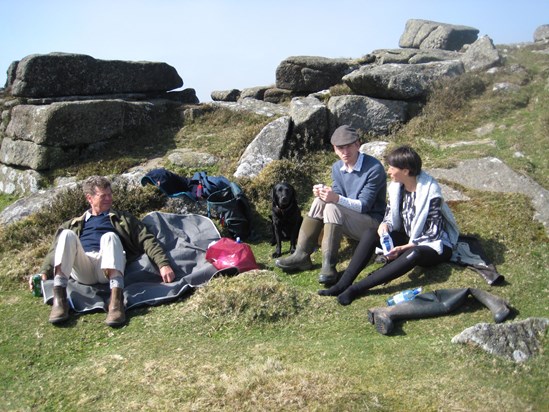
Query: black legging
point(424, 256)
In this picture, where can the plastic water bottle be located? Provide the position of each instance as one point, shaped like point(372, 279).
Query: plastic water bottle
point(404, 296)
point(386, 243)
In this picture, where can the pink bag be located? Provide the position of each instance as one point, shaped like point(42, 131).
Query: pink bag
point(226, 253)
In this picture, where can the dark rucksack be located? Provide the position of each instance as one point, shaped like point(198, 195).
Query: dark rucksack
point(208, 184)
point(225, 199)
point(199, 187)
point(167, 182)
point(232, 208)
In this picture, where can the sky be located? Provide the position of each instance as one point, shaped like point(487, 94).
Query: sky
point(236, 44)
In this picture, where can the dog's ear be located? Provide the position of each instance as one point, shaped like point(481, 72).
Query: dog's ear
point(293, 195)
point(291, 189)
point(273, 195)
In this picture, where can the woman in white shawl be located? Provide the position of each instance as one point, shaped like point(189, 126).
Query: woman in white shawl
point(421, 224)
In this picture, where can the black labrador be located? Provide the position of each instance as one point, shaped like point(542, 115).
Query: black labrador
point(285, 217)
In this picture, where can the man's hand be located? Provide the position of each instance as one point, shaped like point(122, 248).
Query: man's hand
point(44, 277)
point(327, 195)
point(167, 274)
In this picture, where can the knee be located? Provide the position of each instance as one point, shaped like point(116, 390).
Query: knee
point(332, 214)
point(317, 208)
point(67, 235)
point(419, 256)
point(109, 237)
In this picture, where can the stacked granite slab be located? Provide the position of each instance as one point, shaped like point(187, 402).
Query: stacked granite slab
point(58, 108)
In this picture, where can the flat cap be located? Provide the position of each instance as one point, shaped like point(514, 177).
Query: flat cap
point(344, 135)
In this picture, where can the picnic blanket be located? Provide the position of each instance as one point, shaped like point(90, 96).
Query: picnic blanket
point(185, 239)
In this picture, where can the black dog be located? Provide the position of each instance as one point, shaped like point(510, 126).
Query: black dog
point(286, 217)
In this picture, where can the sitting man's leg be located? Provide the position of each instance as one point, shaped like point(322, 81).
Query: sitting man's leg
point(339, 221)
point(307, 240)
point(113, 263)
point(69, 255)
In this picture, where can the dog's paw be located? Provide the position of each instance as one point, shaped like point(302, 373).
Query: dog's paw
point(292, 250)
point(276, 254)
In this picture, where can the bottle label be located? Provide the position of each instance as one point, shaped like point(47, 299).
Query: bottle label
point(399, 298)
point(37, 285)
point(386, 243)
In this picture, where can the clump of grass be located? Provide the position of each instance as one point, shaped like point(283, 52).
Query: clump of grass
point(340, 89)
point(228, 134)
point(446, 100)
point(253, 297)
point(6, 200)
point(302, 174)
point(272, 384)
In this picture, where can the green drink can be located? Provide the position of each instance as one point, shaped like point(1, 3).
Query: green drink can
point(37, 285)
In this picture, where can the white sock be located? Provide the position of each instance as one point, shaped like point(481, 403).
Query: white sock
point(117, 281)
point(59, 280)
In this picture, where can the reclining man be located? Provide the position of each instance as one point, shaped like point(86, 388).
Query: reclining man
point(355, 202)
point(94, 248)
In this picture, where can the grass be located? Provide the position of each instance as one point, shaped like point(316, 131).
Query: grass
point(264, 340)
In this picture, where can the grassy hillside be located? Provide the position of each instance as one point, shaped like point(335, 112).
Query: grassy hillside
point(265, 340)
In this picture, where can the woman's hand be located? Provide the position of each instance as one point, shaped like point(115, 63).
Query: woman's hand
point(383, 228)
point(397, 251)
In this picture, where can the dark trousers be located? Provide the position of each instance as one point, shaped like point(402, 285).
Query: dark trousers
point(417, 256)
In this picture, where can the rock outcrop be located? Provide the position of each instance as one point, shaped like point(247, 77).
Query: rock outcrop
point(514, 341)
point(60, 108)
point(425, 34)
point(400, 82)
point(542, 33)
point(308, 74)
point(64, 74)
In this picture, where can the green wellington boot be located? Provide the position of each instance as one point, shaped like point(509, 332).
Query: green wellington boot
point(307, 241)
point(330, 247)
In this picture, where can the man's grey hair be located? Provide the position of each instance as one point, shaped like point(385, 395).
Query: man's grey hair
point(95, 182)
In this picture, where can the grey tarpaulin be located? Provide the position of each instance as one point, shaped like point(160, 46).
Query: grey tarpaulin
point(185, 239)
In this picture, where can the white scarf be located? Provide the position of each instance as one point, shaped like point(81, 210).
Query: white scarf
point(427, 189)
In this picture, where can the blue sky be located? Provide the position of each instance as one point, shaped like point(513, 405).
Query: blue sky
point(222, 44)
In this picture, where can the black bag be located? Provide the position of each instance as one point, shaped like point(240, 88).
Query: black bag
point(231, 206)
point(167, 182)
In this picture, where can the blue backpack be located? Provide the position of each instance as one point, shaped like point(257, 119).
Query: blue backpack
point(225, 199)
point(232, 208)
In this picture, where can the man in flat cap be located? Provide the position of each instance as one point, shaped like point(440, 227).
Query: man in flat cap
point(354, 203)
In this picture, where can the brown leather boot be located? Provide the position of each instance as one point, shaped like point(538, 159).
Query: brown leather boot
point(60, 309)
point(117, 313)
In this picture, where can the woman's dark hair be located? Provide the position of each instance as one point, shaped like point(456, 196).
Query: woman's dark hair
point(404, 157)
